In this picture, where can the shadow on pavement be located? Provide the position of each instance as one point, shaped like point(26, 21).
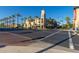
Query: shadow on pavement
point(60, 39)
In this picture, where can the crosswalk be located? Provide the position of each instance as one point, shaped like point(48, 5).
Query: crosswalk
point(64, 39)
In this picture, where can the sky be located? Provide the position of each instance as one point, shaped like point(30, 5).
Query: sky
point(56, 12)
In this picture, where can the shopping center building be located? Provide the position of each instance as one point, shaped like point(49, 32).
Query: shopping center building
point(36, 23)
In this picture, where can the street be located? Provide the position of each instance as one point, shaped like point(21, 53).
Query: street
point(38, 41)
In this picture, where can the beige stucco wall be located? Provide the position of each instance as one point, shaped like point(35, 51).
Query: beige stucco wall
point(77, 18)
point(27, 24)
point(37, 22)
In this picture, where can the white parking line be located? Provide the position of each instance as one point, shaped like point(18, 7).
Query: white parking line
point(71, 46)
point(50, 35)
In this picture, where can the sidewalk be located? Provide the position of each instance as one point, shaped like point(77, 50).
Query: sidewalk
point(32, 47)
point(60, 49)
point(24, 47)
point(16, 43)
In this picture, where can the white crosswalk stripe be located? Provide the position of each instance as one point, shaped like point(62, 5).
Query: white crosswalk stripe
point(50, 35)
point(71, 46)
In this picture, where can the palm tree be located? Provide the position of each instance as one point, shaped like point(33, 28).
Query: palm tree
point(0, 23)
point(10, 21)
point(50, 22)
point(68, 22)
point(55, 24)
point(30, 19)
point(24, 20)
point(13, 20)
point(36, 17)
point(61, 23)
point(6, 21)
point(18, 15)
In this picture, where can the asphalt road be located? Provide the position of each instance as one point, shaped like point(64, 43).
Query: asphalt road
point(56, 39)
point(59, 39)
point(75, 40)
point(12, 37)
point(35, 34)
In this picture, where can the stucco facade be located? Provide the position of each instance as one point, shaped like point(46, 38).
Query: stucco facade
point(36, 23)
point(76, 18)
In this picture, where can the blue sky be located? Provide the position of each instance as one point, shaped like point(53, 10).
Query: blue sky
point(57, 12)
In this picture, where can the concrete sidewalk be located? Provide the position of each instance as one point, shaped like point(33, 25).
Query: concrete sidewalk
point(24, 47)
point(34, 46)
point(60, 49)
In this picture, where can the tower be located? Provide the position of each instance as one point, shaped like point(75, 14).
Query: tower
point(43, 19)
point(43, 14)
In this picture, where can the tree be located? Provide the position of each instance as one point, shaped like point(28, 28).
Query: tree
point(67, 22)
point(30, 19)
point(52, 23)
point(13, 20)
point(61, 23)
point(1, 23)
point(36, 17)
point(9, 21)
point(18, 15)
point(6, 21)
point(55, 23)
point(23, 20)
